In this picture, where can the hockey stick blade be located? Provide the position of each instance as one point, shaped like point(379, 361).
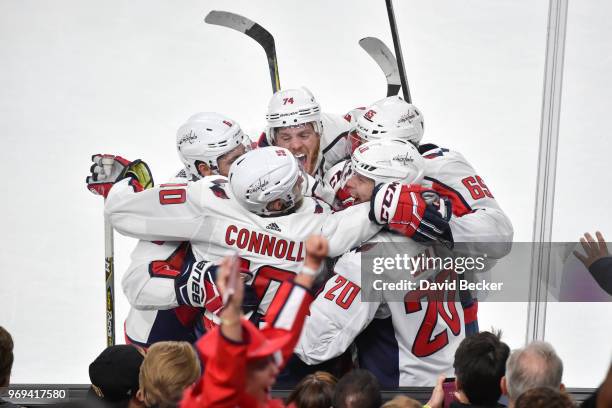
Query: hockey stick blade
point(253, 30)
point(385, 59)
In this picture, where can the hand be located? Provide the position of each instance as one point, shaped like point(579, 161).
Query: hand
point(230, 315)
point(195, 286)
point(593, 250)
point(108, 169)
point(343, 198)
point(413, 211)
point(317, 249)
point(437, 395)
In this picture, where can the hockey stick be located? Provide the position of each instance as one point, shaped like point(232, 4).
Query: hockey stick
point(385, 59)
point(109, 269)
point(253, 30)
point(398, 51)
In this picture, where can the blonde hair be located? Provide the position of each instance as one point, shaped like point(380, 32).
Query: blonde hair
point(402, 401)
point(314, 391)
point(169, 367)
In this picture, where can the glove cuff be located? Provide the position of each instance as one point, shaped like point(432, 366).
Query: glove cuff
point(191, 287)
point(384, 202)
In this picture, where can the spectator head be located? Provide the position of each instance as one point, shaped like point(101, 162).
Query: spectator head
point(114, 374)
point(604, 397)
point(480, 362)
point(359, 388)
point(6, 357)
point(314, 391)
point(401, 401)
point(264, 356)
point(261, 375)
point(536, 365)
point(167, 370)
point(544, 397)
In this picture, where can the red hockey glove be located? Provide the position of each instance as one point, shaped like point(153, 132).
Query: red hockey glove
point(412, 211)
point(108, 169)
point(343, 198)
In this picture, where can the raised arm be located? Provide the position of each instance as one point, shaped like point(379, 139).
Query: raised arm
point(170, 212)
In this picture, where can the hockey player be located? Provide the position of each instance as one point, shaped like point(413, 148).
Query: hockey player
point(477, 218)
point(421, 333)
point(478, 224)
point(317, 139)
point(295, 121)
point(260, 215)
point(207, 144)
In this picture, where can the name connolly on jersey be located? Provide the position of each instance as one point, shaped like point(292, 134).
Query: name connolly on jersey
point(264, 244)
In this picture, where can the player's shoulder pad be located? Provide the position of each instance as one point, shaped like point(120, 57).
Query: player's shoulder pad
point(333, 126)
point(352, 115)
point(432, 151)
point(213, 185)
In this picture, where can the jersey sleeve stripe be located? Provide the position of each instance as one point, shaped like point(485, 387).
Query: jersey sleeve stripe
point(460, 206)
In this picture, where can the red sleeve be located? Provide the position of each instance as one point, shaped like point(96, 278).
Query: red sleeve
point(220, 386)
point(287, 312)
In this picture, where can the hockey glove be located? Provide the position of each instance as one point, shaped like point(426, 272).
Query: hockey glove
point(196, 287)
point(108, 169)
point(343, 197)
point(412, 211)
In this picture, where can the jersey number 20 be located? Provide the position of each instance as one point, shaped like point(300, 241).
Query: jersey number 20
point(424, 343)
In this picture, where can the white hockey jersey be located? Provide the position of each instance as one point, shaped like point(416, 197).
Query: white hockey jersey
point(477, 218)
point(149, 285)
point(206, 214)
point(421, 339)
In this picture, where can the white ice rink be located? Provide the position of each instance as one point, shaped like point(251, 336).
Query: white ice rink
point(82, 77)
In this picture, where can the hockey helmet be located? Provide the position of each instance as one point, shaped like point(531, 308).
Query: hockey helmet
point(264, 175)
point(205, 137)
point(292, 107)
point(391, 117)
point(389, 160)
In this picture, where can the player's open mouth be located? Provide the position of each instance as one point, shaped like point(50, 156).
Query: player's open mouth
point(301, 158)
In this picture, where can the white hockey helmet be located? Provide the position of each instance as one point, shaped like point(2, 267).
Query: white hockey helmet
point(391, 117)
point(264, 175)
point(388, 160)
point(292, 107)
point(205, 137)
